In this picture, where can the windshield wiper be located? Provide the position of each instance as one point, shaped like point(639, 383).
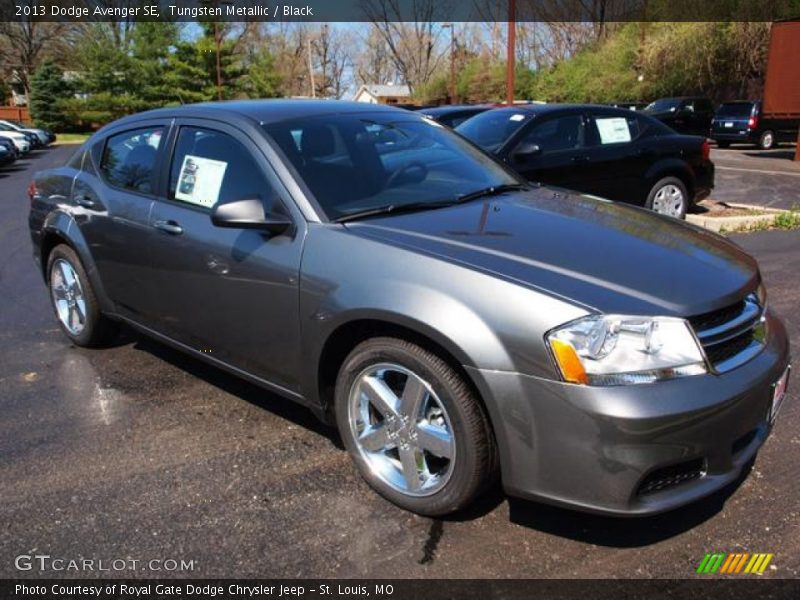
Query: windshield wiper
point(491, 191)
point(395, 208)
point(420, 206)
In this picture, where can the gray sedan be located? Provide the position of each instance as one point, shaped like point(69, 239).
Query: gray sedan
point(456, 323)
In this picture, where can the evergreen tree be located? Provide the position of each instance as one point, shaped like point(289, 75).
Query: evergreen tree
point(48, 91)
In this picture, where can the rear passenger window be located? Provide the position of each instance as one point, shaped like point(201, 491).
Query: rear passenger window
point(129, 159)
point(211, 167)
point(614, 129)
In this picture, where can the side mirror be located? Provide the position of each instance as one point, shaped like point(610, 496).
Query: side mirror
point(248, 214)
point(526, 151)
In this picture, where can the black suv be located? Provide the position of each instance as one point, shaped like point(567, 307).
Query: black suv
point(742, 123)
point(685, 114)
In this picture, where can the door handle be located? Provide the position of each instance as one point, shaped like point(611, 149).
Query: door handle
point(86, 202)
point(169, 227)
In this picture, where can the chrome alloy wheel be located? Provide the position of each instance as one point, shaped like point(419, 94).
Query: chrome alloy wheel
point(401, 429)
point(67, 294)
point(669, 200)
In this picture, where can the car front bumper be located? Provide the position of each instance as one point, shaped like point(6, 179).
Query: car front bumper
point(599, 449)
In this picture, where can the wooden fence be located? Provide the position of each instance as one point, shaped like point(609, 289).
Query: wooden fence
point(16, 113)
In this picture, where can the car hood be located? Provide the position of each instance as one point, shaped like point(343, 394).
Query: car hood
point(602, 255)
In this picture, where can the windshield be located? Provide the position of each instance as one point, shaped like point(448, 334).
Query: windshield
point(735, 109)
point(491, 128)
point(663, 105)
point(362, 162)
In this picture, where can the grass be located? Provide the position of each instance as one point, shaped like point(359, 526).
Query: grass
point(787, 221)
point(72, 138)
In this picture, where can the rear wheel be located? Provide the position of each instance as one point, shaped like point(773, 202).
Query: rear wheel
point(413, 426)
point(723, 144)
point(767, 140)
point(74, 300)
point(669, 197)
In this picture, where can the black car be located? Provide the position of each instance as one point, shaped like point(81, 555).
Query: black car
point(609, 152)
point(629, 105)
point(742, 123)
point(454, 115)
point(686, 114)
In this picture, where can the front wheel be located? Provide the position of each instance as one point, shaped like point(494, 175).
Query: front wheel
point(669, 197)
point(74, 300)
point(415, 429)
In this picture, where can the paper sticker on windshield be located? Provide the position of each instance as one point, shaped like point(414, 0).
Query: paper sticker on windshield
point(516, 117)
point(613, 130)
point(200, 180)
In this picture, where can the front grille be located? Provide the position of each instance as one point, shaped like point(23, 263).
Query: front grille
point(669, 477)
point(715, 318)
point(732, 335)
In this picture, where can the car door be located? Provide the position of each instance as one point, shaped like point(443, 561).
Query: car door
point(552, 151)
point(113, 194)
point(228, 293)
point(618, 159)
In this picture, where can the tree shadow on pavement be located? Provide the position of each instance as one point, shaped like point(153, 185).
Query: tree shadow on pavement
point(621, 532)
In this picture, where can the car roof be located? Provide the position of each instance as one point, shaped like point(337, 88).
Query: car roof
point(261, 111)
point(448, 108)
point(545, 109)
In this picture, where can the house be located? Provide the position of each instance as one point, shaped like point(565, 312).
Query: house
point(383, 94)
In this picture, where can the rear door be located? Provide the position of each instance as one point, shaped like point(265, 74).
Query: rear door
point(113, 194)
point(228, 293)
point(618, 159)
point(562, 157)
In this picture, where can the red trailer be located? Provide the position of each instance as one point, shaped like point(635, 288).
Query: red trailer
point(782, 85)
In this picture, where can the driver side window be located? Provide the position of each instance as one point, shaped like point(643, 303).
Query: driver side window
point(210, 167)
point(557, 134)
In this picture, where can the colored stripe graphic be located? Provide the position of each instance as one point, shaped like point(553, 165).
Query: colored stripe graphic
point(723, 563)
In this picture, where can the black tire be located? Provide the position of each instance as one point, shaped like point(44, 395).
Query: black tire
point(98, 330)
point(766, 141)
point(723, 145)
point(475, 465)
point(664, 183)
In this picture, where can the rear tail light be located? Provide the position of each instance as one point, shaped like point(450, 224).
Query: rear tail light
point(752, 122)
point(706, 149)
point(32, 191)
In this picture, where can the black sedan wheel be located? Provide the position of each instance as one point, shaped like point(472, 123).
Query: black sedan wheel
point(668, 197)
point(414, 427)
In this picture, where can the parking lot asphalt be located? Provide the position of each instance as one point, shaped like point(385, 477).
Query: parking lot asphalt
point(763, 177)
point(138, 452)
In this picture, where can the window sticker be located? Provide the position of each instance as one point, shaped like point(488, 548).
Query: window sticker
point(200, 180)
point(613, 130)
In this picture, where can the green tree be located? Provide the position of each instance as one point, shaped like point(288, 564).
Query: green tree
point(151, 48)
point(263, 79)
point(49, 91)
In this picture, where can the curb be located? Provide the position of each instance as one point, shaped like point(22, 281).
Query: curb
point(734, 223)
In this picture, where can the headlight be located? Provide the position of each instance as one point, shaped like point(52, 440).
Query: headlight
point(761, 292)
point(619, 350)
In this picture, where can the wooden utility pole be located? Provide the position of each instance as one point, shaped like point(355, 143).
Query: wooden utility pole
point(311, 68)
point(511, 51)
